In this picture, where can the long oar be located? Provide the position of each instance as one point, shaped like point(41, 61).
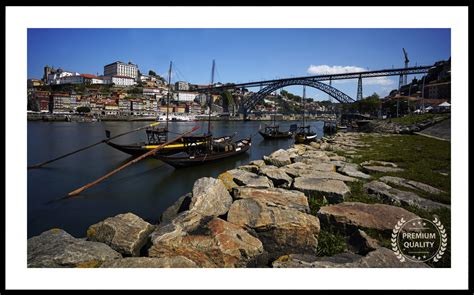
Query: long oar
point(152, 152)
point(89, 146)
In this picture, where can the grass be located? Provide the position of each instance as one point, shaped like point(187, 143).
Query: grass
point(422, 158)
point(330, 242)
point(414, 119)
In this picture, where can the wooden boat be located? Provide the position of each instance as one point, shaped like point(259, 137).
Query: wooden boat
point(305, 135)
point(198, 154)
point(201, 149)
point(329, 127)
point(157, 136)
point(273, 132)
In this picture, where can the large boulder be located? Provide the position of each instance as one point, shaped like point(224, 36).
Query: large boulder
point(398, 197)
point(207, 241)
point(245, 178)
point(125, 233)
point(57, 248)
point(277, 176)
point(411, 184)
point(380, 258)
point(249, 168)
point(334, 191)
point(275, 197)
point(148, 262)
point(181, 205)
point(348, 217)
point(281, 228)
point(210, 197)
point(228, 180)
point(278, 158)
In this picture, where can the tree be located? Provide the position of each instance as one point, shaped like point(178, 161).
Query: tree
point(151, 73)
point(82, 110)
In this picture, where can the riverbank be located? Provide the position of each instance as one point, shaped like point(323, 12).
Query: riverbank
point(328, 204)
point(47, 117)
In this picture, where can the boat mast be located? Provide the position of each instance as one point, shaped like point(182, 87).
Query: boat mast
point(210, 97)
point(303, 104)
point(274, 109)
point(168, 98)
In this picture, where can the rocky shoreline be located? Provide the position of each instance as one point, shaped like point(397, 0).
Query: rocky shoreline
point(257, 215)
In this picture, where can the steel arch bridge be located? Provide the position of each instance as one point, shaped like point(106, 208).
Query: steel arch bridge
point(250, 102)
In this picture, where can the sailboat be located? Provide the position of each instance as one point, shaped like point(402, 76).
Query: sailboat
point(304, 133)
point(273, 131)
point(211, 150)
point(159, 135)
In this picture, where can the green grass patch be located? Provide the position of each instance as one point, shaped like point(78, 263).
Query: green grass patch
point(421, 157)
point(330, 242)
point(415, 119)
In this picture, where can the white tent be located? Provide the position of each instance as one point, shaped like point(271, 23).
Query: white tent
point(445, 104)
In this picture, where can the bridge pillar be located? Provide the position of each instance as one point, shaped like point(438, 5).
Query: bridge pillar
point(359, 89)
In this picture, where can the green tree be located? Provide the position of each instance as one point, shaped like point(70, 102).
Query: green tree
point(82, 110)
point(151, 73)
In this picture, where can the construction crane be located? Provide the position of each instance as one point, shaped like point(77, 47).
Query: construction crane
point(406, 66)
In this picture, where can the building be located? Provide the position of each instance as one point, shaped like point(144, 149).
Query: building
point(182, 86)
point(185, 96)
point(117, 80)
point(119, 68)
point(124, 106)
point(438, 90)
point(62, 103)
point(55, 77)
point(111, 108)
point(31, 83)
point(91, 79)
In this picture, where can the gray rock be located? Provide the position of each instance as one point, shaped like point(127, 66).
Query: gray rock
point(334, 191)
point(57, 248)
point(275, 197)
point(210, 197)
point(258, 163)
point(348, 217)
point(206, 241)
point(281, 229)
point(277, 176)
point(244, 178)
point(378, 163)
point(249, 168)
point(383, 169)
point(361, 243)
point(398, 197)
point(181, 205)
point(125, 233)
point(278, 158)
point(379, 258)
point(411, 184)
point(353, 171)
point(148, 262)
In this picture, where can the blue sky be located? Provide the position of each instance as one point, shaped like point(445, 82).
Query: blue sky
point(241, 54)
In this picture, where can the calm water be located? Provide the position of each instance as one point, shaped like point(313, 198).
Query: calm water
point(146, 188)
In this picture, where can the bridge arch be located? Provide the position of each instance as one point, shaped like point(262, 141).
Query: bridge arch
point(250, 102)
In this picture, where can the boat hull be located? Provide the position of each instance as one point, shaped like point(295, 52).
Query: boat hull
point(189, 161)
point(305, 138)
point(139, 149)
point(279, 135)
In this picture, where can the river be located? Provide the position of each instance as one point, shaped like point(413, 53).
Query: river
point(146, 188)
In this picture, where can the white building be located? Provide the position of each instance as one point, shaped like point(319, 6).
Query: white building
point(119, 68)
point(181, 85)
point(185, 96)
point(55, 77)
point(119, 80)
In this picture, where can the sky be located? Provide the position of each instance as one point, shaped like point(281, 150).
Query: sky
point(242, 55)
